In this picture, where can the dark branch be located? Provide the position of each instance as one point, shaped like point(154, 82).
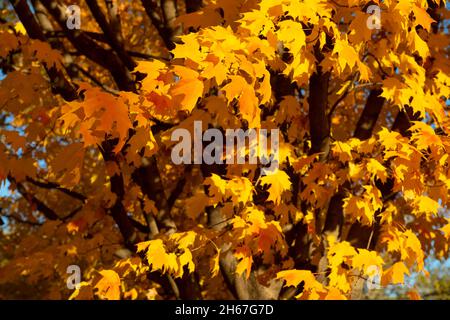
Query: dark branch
point(34, 202)
point(60, 84)
point(369, 116)
point(55, 186)
point(83, 43)
point(112, 36)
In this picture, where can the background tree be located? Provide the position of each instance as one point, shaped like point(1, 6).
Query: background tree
point(86, 121)
point(435, 285)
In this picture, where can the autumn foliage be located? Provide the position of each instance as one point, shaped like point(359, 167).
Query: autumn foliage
point(86, 117)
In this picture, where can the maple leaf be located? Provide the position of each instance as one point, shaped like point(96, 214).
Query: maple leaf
point(15, 139)
point(215, 267)
point(217, 187)
point(108, 287)
point(422, 18)
point(69, 163)
point(278, 183)
point(426, 205)
point(367, 261)
point(243, 254)
point(10, 42)
point(424, 136)
point(295, 277)
point(239, 189)
point(363, 208)
point(103, 113)
point(312, 289)
point(390, 139)
point(376, 169)
point(190, 48)
point(395, 274)
point(335, 294)
point(346, 53)
point(187, 90)
point(418, 44)
point(446, 230)
point(157, 257)
point(343, 151)
point(84, 291)
point(45, 53)
point(248, 103)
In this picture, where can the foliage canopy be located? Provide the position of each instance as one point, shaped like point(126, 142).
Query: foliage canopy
point(86, 120)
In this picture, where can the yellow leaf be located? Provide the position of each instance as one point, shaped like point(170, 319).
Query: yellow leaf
point(190, 48)
point(376, 169)
point(446, 229)
point(335, 294)
point(217, 187)
point(417, 44)
point(365, 260)
point(19, 28)
point(312, 289)
point(389, 139)
point(215, 264)
point(343, 150)
point(426, 205)
point(185, 259)
point(109, 285)
point(424, 136)
point(423, 18)
point(187, 90)
point(131, 294)
point(246, 260)
point(395, 274)
point(184, 239)
point(363, 208)
point(240, 190)
point(278, 183)
point(158, 258)
point(248, 102)
point(347, 55)
point(295, 277)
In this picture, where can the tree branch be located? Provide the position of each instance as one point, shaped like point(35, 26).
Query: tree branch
point(34, 202)
point(160, 23)
point(55, 186)
point(318, 121)
point(112, 35)
point(60, 84)
point(369, 115)
point(83, 43)
point(193, 5)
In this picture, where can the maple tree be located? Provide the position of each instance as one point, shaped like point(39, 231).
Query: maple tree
point(87, 115)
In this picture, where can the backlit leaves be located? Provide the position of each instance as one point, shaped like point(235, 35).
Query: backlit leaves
point(238, 64)
point(108, 287)
point(278, 183)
